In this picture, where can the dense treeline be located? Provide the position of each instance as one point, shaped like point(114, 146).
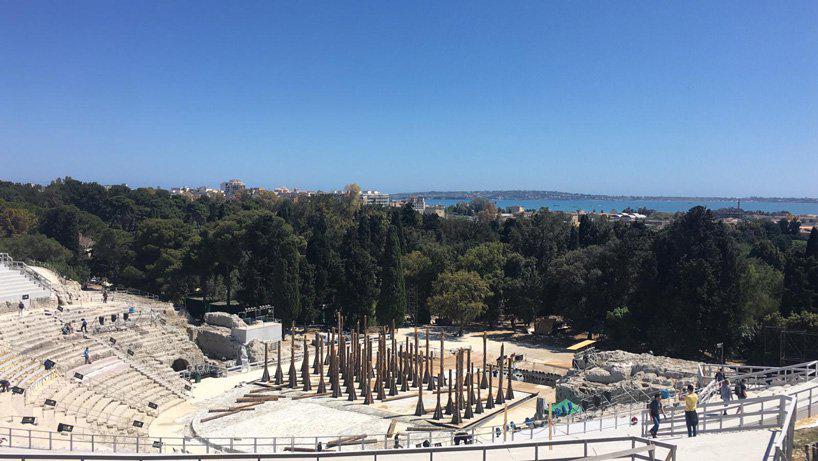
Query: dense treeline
point(679, 290)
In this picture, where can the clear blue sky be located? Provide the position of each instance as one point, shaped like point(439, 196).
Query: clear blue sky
point(666, 98)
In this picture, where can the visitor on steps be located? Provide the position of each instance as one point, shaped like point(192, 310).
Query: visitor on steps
point(4, 385)
point(720, 376)
point(691, 418)
point(84, 326)
point(22, 307)
point(87, 355)
point(726, 394)
point(656, 409)
point(741, 392)
point(104, 296)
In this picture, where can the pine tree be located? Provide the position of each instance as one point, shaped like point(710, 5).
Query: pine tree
point(812, 244)
point(392, 300)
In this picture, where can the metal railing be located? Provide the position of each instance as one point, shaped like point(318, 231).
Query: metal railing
point(630, 447)
point(28, 272)
point(756, 377)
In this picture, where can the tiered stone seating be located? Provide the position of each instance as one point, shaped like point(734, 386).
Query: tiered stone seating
point(15, 283)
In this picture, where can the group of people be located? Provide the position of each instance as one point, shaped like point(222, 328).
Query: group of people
point(691, 401)
point(68, 327)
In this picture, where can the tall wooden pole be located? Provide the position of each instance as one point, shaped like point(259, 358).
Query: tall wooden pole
point(500, 362)
point(292, 373)
point(490, 398)
point(265, 376)
point(279, 374)
point(509, 391)
point(305, 368)
point(322, 386)
point(483, 381)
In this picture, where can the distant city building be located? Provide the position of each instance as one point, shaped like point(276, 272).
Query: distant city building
point(232, 188)
point(418, 203)
point(196, 192)
point(373, 197)
point(438, 210)
point(516, 209)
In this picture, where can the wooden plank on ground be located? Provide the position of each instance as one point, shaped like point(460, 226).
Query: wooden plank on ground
point(391, 431)
point(581, 345)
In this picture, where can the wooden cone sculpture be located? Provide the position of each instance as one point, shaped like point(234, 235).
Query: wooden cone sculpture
point(368, 385)
point(429, 365)
point(415, 355)
point(458, 392)
point(292, 374)
point(404, 382)
point(279, 374)
point(305, 368)
point(265, 376)
point(509, 391)
point(438, 408)
point(336, 381)
point(490, 398)
point(469, 414)
point(449, 404)
point(322, 386)
point(427, 375)
point(393, 387)
point(483, 381)
point(500, 362)
point(419, 409)
point(317, 357)
point(478, 404)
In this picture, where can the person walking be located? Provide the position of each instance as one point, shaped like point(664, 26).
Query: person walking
point(720, 375)
point(726, 394)
point(691, 417)
point(22, 307)
point(104, 296)
point(741, 392)
point(84, 326)
point(87, 355)
point(656, 409)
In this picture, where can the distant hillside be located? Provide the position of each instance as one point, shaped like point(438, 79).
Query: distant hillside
point(557, 195)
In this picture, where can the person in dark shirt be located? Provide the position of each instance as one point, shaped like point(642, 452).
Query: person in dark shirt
point(720, 375)
point(656, 409)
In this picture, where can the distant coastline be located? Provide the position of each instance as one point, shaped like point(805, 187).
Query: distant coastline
point(557, 195)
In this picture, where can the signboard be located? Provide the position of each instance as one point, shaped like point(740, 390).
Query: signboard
point(152, 405)
point(28, 420)
point(187, 387)
point(64, 427)
point(137, 423)
point(130, 352)
point(25, 297)
point(48, 364)
point(17, 390)
point(59, 308)
point(112, 340)
point(51, 402)
point(78, 376)
point(157, 444)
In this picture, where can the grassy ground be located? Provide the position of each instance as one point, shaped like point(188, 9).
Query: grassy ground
point(803, 437)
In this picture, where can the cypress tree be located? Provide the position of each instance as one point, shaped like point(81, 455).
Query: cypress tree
point(812, 244)
point(392, 299)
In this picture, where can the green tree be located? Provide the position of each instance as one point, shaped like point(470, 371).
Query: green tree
point(269, 272)
point(392, 300)
point(459, 296)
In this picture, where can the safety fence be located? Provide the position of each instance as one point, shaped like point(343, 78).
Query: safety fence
point(755, 377)
point(598, 449)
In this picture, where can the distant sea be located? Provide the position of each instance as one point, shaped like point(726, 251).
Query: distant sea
point(668, 206)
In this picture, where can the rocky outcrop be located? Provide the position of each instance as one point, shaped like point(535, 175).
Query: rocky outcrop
point(215, 342)
point(622, 377)
point(223, 319)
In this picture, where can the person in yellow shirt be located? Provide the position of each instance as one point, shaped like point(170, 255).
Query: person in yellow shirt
point(691, 417)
